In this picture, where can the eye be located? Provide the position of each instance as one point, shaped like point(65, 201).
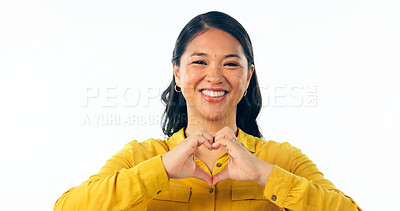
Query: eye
point(231, 64)
point(199, 62)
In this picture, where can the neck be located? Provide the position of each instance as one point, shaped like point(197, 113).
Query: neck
point(211, 124)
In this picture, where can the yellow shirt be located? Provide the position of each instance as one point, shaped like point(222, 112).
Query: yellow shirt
point(135, 179)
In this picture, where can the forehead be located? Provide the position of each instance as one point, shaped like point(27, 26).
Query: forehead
point(214, 41)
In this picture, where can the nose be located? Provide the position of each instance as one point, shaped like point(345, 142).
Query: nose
point(215, 75)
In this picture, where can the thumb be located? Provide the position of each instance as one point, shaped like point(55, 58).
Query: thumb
point(199, 173)
point(221, 176)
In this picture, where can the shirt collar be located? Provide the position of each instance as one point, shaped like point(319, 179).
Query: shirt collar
point(247, 140)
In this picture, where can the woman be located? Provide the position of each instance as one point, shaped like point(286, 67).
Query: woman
point(214, 158)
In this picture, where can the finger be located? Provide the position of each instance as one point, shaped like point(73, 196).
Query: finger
point(217, 133)
point(216, 145)
point(197, 140)
point(229, 135)
point(223, 140)
point(220, 136)
point(199, 173)
point(231, 148)
point(204, 141)
point(205, 133)
point(221, 176)
point(217, 141)
point(227, 131)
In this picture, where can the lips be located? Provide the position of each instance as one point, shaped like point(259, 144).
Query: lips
point(213, 95)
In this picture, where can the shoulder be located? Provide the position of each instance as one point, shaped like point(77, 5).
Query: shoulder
point(149, 145)
point(270, 145)
point(278, 153)
point(146, 149)
point(261, 146)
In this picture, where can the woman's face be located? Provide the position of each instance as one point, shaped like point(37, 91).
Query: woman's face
point(213, 74)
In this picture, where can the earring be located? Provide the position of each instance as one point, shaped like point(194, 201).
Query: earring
point(245, 93)
point(176, 90)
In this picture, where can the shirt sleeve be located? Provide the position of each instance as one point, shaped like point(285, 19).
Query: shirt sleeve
point(118, 185)
point(304, 187)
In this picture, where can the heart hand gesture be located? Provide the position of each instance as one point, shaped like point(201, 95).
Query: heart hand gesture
point(242, 165)
point(179, 163)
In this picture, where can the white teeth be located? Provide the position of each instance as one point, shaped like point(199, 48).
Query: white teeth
point(213, 93)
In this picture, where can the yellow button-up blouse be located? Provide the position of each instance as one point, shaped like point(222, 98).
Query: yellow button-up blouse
point(135, 179)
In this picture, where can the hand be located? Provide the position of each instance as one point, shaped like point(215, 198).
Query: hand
point(179, 163)
point(242, 165)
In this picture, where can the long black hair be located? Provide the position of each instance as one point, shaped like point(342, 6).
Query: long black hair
point(175, 115)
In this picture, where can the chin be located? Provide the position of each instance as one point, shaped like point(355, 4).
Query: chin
point(215, 116)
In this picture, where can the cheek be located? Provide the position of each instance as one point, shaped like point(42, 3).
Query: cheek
point(238, 83)
point(189, 82)
point(238, 88)
point(190, 79)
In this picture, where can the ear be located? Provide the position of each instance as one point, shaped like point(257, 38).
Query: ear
point(176, 74)
point(249, 75)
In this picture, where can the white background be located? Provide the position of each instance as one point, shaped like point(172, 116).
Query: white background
point(51, 52)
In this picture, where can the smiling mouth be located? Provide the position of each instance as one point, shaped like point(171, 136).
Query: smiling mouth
point(210, 93)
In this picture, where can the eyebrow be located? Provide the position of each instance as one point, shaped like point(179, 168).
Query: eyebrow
point(225, 57)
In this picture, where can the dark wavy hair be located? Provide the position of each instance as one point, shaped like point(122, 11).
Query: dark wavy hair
point(175, 114)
